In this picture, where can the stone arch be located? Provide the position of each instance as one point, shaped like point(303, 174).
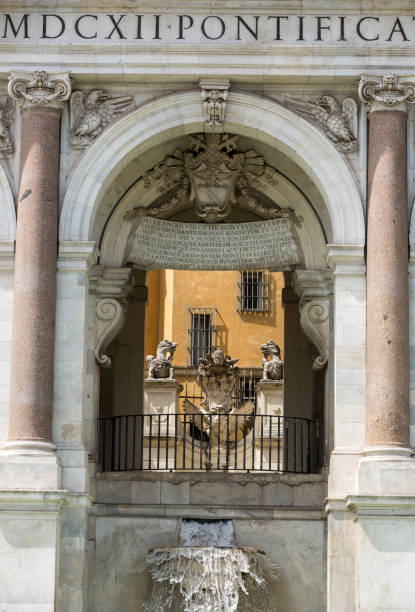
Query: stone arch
point(179, 114)
point(7, 209)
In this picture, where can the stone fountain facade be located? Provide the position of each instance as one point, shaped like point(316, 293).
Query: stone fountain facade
point(301, 119)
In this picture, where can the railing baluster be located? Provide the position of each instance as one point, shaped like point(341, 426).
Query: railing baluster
point(184, 442)
point(279, 444)
point(134, 441)
point(262, 441)
point(141, 442)
point(119, 443)
point(158, 441)
point(317, 445)
point(201, 442)
point(166, 467)
point(113, 444)
point(126, 444)
point(244, 455)
point(210, 441)
point(193, 441)
point(150, 441)
point(119, 436)
point(219, 441)
point(295, 445)
point(104, 453)
point(253, 443)
point(175, 442)
point(286, 439)
point(302, 446)
point(236, 441)
point(227, 440)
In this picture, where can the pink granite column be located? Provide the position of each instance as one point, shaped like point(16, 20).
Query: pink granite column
point(387, 339)
point(31, 394)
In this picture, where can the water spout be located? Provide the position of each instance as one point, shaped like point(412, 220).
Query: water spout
point(213, 576)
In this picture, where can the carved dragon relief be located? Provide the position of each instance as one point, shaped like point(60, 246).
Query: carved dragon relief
point(211, 173)
point(338, 122)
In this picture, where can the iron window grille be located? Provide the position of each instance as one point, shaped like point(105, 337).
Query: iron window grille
point(201, 333)
point(247, 387)
point(253, 291)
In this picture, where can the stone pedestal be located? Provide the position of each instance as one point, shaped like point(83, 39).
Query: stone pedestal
point(269, 429)
point(161, 427)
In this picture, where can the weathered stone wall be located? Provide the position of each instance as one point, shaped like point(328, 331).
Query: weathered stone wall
point(282, 516)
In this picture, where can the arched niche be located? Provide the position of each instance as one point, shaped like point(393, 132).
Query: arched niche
point(314, 178)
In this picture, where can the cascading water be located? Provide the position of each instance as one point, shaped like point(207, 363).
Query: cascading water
point(208, 574)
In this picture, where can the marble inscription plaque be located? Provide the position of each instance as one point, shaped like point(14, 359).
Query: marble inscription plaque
point(136, 28)
point(199, 246)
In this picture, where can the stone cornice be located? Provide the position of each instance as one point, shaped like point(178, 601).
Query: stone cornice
point(76, 256)
point(344, 7)
point(381, 506)
point(346, 260)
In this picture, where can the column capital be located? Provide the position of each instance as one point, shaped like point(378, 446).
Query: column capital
point(39, 88)
point(388, 92)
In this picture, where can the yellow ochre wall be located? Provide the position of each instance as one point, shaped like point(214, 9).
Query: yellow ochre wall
point(171, 292)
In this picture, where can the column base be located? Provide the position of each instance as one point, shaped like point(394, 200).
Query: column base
point(29, 447)
point(386, 470)
point(29, 465)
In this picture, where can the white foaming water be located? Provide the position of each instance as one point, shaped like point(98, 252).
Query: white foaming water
point(207, 574)
point(206, 533)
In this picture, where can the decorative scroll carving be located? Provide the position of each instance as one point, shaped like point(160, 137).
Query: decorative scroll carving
point(161, 365)
point(40, 88)
point(273, 367)
point(214, 96)
point(212, 173)
point(90, 113)
point(6, 119)
point(339, 123)
point(314, 315)
point(390, 91)
point(111, 317)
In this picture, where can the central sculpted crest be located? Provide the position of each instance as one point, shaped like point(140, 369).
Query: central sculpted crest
point(211, 173)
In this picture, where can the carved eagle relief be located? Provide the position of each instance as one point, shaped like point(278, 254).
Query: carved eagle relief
point(339, 123)
point(90, 113)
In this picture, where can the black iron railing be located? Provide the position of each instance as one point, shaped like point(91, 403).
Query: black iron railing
point(211, 442)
